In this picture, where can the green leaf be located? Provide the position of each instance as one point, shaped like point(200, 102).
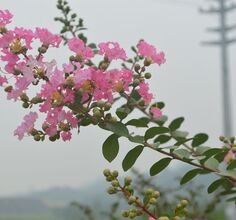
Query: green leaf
point(137, 123)
point(159, 105)
point(159, 166)
point(215, 185)
point(232, 165)
point(92, 45)
point(131, 157)
point(212, 163)
point(136, 139)
point(199, 139)
point(182, 153)
point(190, 175)
point(176, 123)
point(162, 139)
point(118, 128)
point(110, 147)
point(122, 113)
point(152, 132)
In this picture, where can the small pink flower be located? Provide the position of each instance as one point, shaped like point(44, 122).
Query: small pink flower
point(151, 218)
point(78, 46)
point(112, 51)
point(156, 112)
point(144, 92)
point(5, 17)
point(27, 125)
point(66, 136)
point(149, 51)
point(229, 156)
point(47, 38)
point(3, 80)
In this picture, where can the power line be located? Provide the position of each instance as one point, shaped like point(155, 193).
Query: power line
point(222, 10)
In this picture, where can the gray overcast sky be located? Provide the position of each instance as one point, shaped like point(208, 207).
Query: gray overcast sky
point(189, 83)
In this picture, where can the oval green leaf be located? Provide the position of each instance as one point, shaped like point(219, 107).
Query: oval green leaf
point(110, 147)
point(159, 166)
point(152, 132)
point(131, 157)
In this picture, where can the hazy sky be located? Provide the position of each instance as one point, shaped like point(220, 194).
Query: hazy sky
point(189, 83)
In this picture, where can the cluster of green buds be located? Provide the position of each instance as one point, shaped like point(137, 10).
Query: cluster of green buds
point(140, 207)
point(229, 141)
point(28, 103)
point(181, 210)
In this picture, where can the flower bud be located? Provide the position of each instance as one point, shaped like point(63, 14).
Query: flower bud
point(232, 139)
point(137, 68)
point(8, 89)
point(115, 183)
point(148, 75)
point(153, 201)
point(111, 190)
point(148, 61)
point(42, 50)
point(136, 82)
point(115, 173)
point(106, 172)
point(149, 191)
point(25, 105)
point(156, 194)
point(132, 199)
point(24, 97)
point(125, 213)
point(36, 100)
point(37, 137)
point(107, 106)
point(128, 180)
point(222, 138)
point(184, 202)
point(163, 218)
point(176, 218)
point(100, 103)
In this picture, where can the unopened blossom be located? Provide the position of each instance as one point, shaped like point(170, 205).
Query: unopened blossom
point(47, 38)
point(149, 51)
point(78, 46)
point(112, 51)
point(144, 92)
point(156, 112)
point(27, 125)
point(5, 18)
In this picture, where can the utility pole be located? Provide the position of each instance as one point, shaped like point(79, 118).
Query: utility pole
point(223, 8)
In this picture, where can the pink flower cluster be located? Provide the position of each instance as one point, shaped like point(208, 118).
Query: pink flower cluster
point(5, 18)
point(27, 125)
point(149, 51)
point(64, 93)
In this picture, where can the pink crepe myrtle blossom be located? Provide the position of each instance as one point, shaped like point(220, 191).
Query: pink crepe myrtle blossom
point(27, 125)
point(112, 51)
point(144, 92)
point(3, 80)
point(47, 38)
point(156, 112)
point(5, 18)
point(151, 218)
point(229, 156)
point(149, 51)
point(78, 46)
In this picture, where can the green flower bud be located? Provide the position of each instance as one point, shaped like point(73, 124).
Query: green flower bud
point(25, 105)
point(42, 50)
point(176, 218)
point(36, 100)
point(148, 75)
point(72, 58)
point(97, 114)
point(132, 199)
point(156, 194)
point(109, 178)
point(128, 180)
point(153, 201)
point(115, 173)
point(137, 67)
point(107, 106)
point(234, 149)
point(132, 215)
point(37, 137)
point(113, 119)
point(53, 138)
point(136, 82)
point(222, 138)
point(100, 103)
point(125, 213)
point(24, 97)
point(148, 61)
point(149, 191)
point(163, 218)
point(115, 183)
point(33, 132)
point(111, 190)
point(232, 139)
point(184, 202)
point(106, 172)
